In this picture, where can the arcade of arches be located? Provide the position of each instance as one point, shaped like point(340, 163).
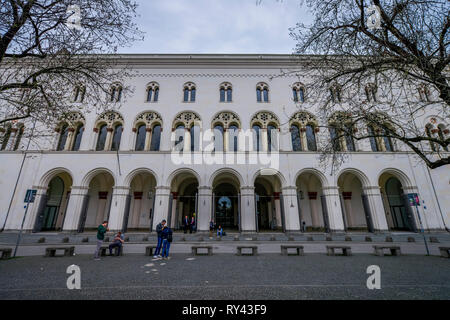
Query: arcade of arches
point(351, 205)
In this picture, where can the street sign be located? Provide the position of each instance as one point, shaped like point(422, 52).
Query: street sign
point(30, 196)
point(413, 199)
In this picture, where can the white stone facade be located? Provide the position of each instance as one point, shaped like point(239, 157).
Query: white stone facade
point(134, 190)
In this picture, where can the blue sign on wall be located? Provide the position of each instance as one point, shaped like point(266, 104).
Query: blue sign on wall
point(413, 199)
point(30, 196)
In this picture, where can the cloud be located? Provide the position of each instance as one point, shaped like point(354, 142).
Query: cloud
point(217, 26)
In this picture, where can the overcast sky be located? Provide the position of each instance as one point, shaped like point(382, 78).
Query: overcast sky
point(217, 26)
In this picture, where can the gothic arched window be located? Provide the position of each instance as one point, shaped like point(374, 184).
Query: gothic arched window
point(311, 138)
point(116, 92)
point(63, 137)
point(262, 92)
point(152, 92)
point(117, 136)
point(156, 138)
point(101, 141)
point(296, 140)
point(78, 136)
point(233, 132)
point(140, 138)
point(218, 137)
point(371, 92)
point(179, 137)
point(298, 91)
point(271, 137)
point(226, 92)
point(373, 139)
point(189, 92)
point(257, 143)
point(195, 138)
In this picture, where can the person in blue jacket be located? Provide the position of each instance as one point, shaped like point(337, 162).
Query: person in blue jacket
point(167, 238)
point(159, 229)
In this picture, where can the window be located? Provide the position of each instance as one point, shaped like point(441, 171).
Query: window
point(424, 93)
point(189, 92)
point(179, 138)
point(140, 139)
point(218, 138)
point(373, 140)
point(387, 140)
point(102, 133)
point(257, 143)
point(152, 92)
point(79, 93)
point(195, 138)
point(335, 139)
point(115, 146)
point(271, 137)
point(311, 138)
point(156, 138)
point(349, 142)
point(116, 93)
point(296, 139)
point(226, 92)
point(233, 132)
point(335, 93)
point(299, 92)
point(18, 138)
point(371, 92)
point(78, 136)
point(262, 92)
point(6, 138)
point(63, 137)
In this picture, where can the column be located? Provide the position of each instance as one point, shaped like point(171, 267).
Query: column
point(69, 140)
point(74, 207)
point(248, 216)
point(264, 140)
point(226, 140)
point(187, 140)
point(109, 138)
point(336, 222)
point(160, 212)
point(204, 208)
point(285, 139)
point(291, 217)
point(148, 138)
point(376, 208)
point(117, 209)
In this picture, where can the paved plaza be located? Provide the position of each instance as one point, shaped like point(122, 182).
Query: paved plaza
point(227, 276)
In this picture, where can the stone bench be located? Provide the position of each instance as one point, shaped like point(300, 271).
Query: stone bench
point(254, 250)
point(299, 250)
point(379, 250)
point(51, 251)
point(104, 249)
point(445, 252)
point(6, 253)
point(195, 250)
point(149, 250)
point(346, 251)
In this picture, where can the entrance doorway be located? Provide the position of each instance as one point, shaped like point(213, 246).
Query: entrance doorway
point(226, 206)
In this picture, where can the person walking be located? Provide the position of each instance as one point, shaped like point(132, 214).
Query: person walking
point(185, 224)
point(117, 243)
point(212, 226)
point(167, 237)
point(101, 230)
point(159, 229)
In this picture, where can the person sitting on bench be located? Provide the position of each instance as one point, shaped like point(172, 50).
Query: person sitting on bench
point(220, 232)
point(117, 242)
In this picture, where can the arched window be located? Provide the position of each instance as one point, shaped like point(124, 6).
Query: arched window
point(371, 92)
point(102, 133)
point(63, 137)
point(298, 90)
point(116, 92)
point(195, 138)
point(424, 93)
point(335, 138)
point(311, 138)
point(373, 140)
point(262, 92)
point(156, 138)
point(78, 136)
point(6, 137)
point(117, 137)
point(257, 143)
point(140, 138)
point(225, 92)
point(387, 140)
point(296, 139)
point(349, 141)
point(79, 93)
point(233, 132)
point(179, 137)
point(271, 137)
point(152, 92)
point(189, 91)
point(218, 137)
point(18, 137)
point(335, 93)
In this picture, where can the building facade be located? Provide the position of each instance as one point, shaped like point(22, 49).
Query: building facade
point(224, 137)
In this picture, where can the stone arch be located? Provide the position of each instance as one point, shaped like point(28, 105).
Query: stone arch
point(49, 175)
point(176, 172)
point(269, 172)
point(226, 118)
point(233, 172)
point(186, 118)
point(400, 175)
point(149, 118)
point(265, 118)
point(303, 118)
point(322, 178)
point(110, 118)
point(129, 178)
point(358, 173)
point(91, 174)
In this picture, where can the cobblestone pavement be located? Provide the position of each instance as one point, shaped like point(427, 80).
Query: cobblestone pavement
point(227, 276)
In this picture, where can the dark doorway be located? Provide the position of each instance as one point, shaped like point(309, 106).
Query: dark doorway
point(226, 206)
